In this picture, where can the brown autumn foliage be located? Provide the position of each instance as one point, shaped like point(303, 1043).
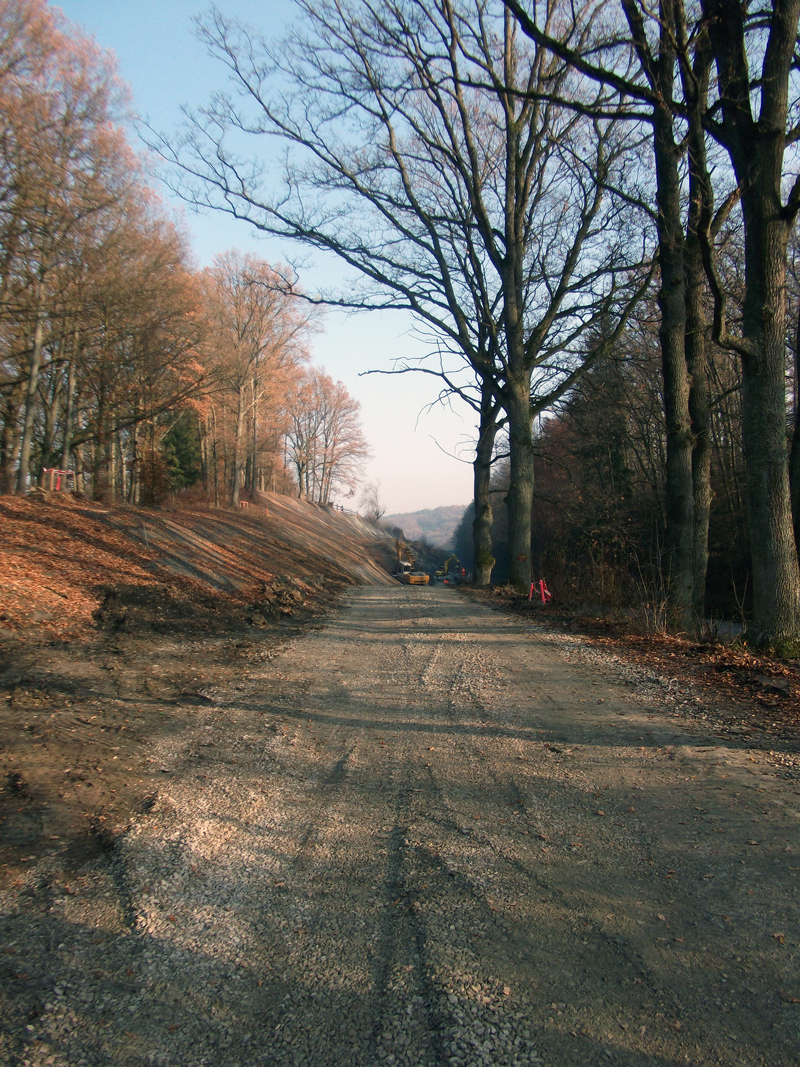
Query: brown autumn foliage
point(120, 363)
point(256, 343)
point(95, 296)
point(324, 440)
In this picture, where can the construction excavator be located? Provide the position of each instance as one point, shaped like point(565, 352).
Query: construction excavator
point(406, 569)
point(452, 572)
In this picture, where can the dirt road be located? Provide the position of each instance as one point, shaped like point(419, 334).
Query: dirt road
point(428, 834)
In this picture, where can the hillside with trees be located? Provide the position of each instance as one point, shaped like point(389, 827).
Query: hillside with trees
point(125, 373)
point(546, 189)
point(434, 525)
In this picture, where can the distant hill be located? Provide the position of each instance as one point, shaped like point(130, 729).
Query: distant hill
point(436, 525)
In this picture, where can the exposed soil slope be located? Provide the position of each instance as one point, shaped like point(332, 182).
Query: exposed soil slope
point(111, 622)
point(61, 557)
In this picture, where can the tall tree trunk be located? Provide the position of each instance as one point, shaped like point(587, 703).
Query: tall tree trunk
point(794, 453)
point(69, 410)
point(31, 390)
point(756, 146)
point(679, 489)
point(205, 459)
point(133, 486)
point(9, 443)
point(776, 577)
point(519, 498)
point(696, 328)
point(238, 449)
point(98, 445)
point(52, 410)
point(215, 460)
point(482, 479)
point(517, 390)
point(111, 467)
point(254, 441)
point(700, 221)
point(80, 476)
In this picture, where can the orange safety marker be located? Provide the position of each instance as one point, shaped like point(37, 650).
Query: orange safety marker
point(544, 592)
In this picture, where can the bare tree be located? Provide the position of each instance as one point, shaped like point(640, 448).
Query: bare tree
point(752, 48)
point(425, 154)
point(258, 335)
point(371, 502)
point(325, 441)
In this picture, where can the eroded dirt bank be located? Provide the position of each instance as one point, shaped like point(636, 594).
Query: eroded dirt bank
point(422, 834)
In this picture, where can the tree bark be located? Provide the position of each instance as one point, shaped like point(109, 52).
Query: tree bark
point(214, 455)
point(238, 447)
point(34, 365)
point(776, 577)
point(700, 221)
point(254, 441)
point(517, 391)
point(794, 453)
point(756, 146)
point(69, 410)
point(98, 445)
point(9, 444)
point(679, 488)
point(51, 409)
point(672, 335)
point(696, 359)
point(482, 478)
point(519, 499)
point(133, 486)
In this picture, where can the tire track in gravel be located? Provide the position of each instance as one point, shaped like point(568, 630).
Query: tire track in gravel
point(404, 1003)
point(408, 840)
point(614, 947)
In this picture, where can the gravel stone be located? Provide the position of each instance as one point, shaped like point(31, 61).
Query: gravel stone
point(382, 845)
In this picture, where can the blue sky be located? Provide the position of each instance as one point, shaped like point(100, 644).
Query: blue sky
point(166, 67)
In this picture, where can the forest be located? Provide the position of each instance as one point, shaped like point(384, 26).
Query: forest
point(589, 211)
point(126, 373)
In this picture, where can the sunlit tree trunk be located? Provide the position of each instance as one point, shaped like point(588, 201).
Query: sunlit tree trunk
point(239, 448)
point(32, 385)
point(214, 457)
point(9, 445)
point(254, 438)
point(51, 405)
point(69, 408)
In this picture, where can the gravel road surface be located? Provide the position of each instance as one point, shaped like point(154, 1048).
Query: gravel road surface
point(427, 834)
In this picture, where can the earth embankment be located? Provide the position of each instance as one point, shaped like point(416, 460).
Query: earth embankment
point(113, 620)
point(61, 558)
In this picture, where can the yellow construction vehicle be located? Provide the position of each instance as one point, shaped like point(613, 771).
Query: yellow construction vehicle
point(448, 576)
point(406, 569)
